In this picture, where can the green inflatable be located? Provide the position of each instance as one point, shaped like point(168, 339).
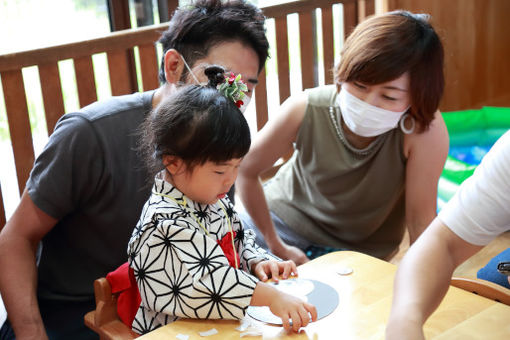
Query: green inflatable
point(472, 133)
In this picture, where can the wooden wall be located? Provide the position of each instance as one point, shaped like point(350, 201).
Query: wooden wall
point(476, 38)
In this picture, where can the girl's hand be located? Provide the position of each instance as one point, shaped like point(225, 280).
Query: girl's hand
point(288, 307)
point(273, 269)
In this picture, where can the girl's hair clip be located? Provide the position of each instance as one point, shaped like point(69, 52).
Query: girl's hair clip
point(231, 86)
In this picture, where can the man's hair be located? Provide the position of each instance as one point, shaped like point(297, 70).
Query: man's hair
point(384, 47)
point(195, 28)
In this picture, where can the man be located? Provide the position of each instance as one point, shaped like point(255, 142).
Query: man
point(87, 188)
point(475, 215)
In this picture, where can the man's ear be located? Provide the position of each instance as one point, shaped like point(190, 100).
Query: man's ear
point(173, 164)
point(173, 66)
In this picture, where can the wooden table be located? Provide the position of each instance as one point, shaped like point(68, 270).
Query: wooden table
point(364, 307)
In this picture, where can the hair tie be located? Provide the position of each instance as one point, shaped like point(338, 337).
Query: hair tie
point(215, 74)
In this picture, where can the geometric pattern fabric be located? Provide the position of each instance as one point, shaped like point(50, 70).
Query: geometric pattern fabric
point(181, 271)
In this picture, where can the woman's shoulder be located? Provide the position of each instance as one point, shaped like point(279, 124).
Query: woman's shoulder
point(322, 96)
point(435, 137)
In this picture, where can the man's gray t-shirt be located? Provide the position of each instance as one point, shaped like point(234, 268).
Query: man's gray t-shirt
point(91, 178)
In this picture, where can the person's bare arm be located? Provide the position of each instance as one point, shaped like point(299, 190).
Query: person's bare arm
point(18, 280)
point(423, 278)
point(271, 143)
point(426, 154)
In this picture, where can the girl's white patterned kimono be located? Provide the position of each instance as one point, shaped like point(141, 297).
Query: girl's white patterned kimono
point(179, 265)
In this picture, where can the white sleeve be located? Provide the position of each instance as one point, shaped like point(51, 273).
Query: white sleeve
point(480, 210)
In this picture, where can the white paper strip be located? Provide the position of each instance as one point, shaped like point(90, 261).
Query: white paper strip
point(209, 332)
point(244, 324)
point(251, 333)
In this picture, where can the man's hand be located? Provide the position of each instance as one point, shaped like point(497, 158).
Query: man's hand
point(274, 269)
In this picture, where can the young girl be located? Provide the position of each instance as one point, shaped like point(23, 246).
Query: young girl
point(189, 252)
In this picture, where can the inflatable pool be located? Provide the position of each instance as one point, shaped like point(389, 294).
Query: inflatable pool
point(472, 134)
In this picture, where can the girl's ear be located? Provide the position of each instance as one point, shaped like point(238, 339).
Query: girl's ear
point(173, 164)
point(173, 66)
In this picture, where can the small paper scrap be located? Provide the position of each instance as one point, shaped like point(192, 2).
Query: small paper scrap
point(243, 325)
point(209, 332)
point(344, 271)
point(251, 333)
point(182, 336)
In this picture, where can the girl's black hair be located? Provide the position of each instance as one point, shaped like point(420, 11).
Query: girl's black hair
point(197, 124)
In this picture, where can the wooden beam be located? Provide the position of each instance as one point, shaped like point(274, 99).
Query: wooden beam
point(19, 124)
point(328, 44)
point(261, 100)
point(282, 57)
point(119, 15)
point(273, 11)
point(308, 44)
point(110, 42)
point(51, 89)
point(85, 80)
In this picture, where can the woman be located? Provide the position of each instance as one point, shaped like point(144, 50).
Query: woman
point(368, 151)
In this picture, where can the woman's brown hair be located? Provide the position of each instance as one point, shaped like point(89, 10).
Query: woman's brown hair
point(384, 47)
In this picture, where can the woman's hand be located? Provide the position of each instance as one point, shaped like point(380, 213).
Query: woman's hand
point(286, 252)
point(274, 269)
point(291, 308)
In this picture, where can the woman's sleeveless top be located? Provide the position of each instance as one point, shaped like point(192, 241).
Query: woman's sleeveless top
point(336, 195)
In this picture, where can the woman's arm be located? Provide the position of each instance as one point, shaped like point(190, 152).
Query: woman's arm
point(271, 143)
point(426, 154)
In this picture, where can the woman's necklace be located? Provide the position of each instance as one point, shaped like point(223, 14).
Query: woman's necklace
point(184, 204)
point(336, 120)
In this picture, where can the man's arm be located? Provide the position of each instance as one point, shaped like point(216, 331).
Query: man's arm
point(18, 282)
point(423, 278)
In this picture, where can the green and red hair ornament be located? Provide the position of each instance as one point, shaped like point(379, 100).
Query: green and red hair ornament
point(233, 88)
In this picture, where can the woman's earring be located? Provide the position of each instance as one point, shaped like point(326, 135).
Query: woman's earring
point(405, 130)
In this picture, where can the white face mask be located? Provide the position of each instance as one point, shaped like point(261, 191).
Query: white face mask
point(246, 101)
point(364, 119)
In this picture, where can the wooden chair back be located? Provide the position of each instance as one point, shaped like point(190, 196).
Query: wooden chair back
point(483, 288)
point(104, 320)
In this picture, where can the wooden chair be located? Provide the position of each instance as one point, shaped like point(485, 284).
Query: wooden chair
point(483, 288)
point(104, 319)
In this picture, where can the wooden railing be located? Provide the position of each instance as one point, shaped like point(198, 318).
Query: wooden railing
point(118, 47)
